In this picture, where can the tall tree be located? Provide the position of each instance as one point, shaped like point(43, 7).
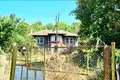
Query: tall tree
point(50, 26)
point(37, 26)
point(21, 33)
point(75, 27)
point(100, 18)
point(7, 29)
point(12, 30)
point(63, 26)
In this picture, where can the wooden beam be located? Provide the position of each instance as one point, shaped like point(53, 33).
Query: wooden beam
point(58, 71)
point(81, 46)
point(107, 63)
point(21, 72)
point(13, 65)
point(113, 60)
point(35, 75)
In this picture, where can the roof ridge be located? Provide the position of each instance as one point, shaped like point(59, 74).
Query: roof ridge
point(46, 32)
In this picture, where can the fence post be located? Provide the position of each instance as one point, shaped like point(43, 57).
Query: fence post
point(21, 72)
point(2, 66)
point(13, 65)
point(30, 55)
point(35, 75)
point(44, 63)
point(107, 63)
point(113, 60)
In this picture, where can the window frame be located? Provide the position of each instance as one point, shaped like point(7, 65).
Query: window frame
point(38, 40)
point(66, 40)
point(52, 38)
point(55, 38)
point(69, 40)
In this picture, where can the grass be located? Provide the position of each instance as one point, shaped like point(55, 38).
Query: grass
point(39, 65)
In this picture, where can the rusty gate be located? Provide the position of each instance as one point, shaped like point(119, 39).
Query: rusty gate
point(72, 63)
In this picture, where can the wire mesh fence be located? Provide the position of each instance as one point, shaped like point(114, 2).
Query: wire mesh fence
point(82, 63)
point(67, 63)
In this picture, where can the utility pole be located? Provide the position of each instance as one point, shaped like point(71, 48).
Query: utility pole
point(57, 21)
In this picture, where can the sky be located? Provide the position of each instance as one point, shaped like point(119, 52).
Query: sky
point(39, 10)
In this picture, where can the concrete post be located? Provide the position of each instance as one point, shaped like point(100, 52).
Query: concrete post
point(2, 66)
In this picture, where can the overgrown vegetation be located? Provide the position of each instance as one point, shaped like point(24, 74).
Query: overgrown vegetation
point(99, 18)
point(15, 30)
point(99, 25)
point(100, 22)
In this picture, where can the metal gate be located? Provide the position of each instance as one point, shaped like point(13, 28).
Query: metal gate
point(73, 63)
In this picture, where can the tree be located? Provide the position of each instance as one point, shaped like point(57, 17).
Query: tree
point(37, 26)
point(7, 29)
point(12, 30)
point(75, 27)
point(50, 26)
point(21, 33)
point(99, 18)
point(63, 26)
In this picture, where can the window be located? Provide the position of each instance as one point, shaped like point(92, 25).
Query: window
point(40, 40)
point(59, 38)
point(54, 38)
point(69, 40)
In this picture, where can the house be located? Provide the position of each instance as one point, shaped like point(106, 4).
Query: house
point(48, 38)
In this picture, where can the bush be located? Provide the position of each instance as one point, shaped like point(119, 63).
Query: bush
point(1, 52)
point(100, 75)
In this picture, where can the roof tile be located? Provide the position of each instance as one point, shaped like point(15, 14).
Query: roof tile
point(46, 32)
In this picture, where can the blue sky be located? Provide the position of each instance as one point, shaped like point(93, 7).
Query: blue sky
point(39, 10)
